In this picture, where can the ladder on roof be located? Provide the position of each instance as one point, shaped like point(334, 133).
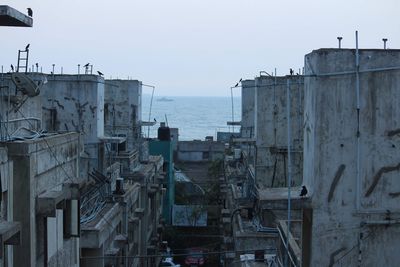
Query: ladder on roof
point(23, 56)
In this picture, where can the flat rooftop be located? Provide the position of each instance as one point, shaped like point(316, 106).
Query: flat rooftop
point(12, 17)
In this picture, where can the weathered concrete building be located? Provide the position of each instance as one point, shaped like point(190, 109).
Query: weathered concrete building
point(62, 167)
point(247, 128)
point(43, 169)
point(351, 163)
point(200, 151)
point(108, 118)
point(10, 229)
point(76, 103)
point(45, 177)
point(272, 119)
point(62, 194)
point(128, 226)
point(123, 110)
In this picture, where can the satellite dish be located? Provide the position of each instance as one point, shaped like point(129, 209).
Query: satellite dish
point(25, 84)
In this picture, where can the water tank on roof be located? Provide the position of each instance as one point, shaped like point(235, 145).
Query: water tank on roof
point(164, 133)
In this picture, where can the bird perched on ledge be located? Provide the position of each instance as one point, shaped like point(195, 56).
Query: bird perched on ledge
point(304, 191)
point(100, 73)
point(30, 12)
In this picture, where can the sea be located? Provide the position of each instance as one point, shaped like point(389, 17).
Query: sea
point(195, 116)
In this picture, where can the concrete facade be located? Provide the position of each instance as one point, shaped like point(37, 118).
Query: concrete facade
point(123, 110)
point(55, 172)
point(272, 130)
point(9, 228)
point(200, 151)
point(130, 225)
point(44, 170)
point(248, 109)
point(350, 158)
point(76, 103)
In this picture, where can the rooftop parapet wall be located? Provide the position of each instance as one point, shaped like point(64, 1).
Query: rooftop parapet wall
point(343, 195)
point(272, 130)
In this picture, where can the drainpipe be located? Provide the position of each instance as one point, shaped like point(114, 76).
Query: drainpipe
point(289, 164)
point(274, 108)
point(255, 126)
point(255, 106)
point(233, 116)
point(358, 190)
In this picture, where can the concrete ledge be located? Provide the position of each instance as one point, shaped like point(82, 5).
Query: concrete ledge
point(226, 220)
point(255, 235)
point(139, 212)
point(134, 220)
point(112, 252)
point(131, 194)
point(226, 213)
point(95, 233)
point(244, 140)
point(277, 198)
point(10, 234)
point(120, 240)
point(47, 202)
point(12, 17)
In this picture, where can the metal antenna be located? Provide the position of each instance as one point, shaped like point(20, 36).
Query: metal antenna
point(340, 41)
point(384, 42)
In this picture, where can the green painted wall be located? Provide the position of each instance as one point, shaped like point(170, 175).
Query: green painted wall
point(164, 148)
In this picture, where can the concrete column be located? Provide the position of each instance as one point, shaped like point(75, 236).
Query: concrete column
point(143, 225)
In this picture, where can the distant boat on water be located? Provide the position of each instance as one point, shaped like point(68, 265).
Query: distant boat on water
point(164, 99)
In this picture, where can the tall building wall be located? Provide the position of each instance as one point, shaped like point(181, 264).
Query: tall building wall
point(76, 103)
point(41, 167)
point(248, 107)
point(272, 130)
point(122, 109)
point(354, 195)
point(79, 104)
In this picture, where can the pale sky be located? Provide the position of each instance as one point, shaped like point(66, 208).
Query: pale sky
point(193, 47)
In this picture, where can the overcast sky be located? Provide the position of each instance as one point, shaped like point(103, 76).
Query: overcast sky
point(193, 47)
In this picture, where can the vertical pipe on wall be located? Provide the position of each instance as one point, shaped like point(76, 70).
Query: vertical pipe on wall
point(289, 165)
point(358, 182)
point(233, 117)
